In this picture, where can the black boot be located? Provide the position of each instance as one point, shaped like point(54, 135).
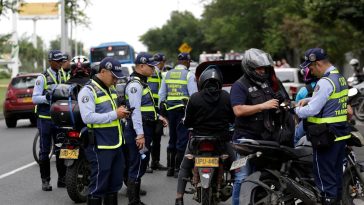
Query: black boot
point(157, 166)
point(91, 200)
point(111, 199)
point(179, 158)
point(45, 174)
point(171, 161)
point(179, 201)
point(133, 193)
point(45, 185)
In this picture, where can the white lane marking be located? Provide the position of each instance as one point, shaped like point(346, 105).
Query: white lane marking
point(17, 170)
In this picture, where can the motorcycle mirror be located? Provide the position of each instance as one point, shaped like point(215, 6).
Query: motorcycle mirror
point(352, 92)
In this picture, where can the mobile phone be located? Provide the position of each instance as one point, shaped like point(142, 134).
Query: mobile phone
point(131, 109)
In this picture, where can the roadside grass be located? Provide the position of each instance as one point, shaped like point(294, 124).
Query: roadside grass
point(3, 86)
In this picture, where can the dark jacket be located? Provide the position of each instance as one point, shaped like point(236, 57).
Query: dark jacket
point(209, 112)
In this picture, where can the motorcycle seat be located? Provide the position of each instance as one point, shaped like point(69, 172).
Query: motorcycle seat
point(259, 142)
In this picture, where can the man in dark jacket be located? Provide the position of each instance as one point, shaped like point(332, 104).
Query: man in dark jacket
point(209, 113)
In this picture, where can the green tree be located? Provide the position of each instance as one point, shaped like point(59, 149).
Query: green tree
point(30, 56)
point(56, 45)
point(182, 27)
point(6, 5)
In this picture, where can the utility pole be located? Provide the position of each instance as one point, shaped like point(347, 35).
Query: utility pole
point(15, 45)
point(64, 30)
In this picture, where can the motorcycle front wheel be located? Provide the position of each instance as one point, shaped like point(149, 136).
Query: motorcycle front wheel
point(77, 180)
point(353, 189)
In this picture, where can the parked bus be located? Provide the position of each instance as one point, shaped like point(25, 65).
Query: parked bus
point(121, 51)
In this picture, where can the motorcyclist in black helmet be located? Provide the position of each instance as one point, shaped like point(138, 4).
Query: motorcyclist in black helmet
point(255, 98)
point(209, 113)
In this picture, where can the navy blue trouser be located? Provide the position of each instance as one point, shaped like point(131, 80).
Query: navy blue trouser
point(178, 133)
point(107, 169)
point(328, 169)
point(47, 131)
point(136, 165)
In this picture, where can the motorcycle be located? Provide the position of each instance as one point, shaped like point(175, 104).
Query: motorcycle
point(70, 141)
point(284, 174)
point(358, 100)
point(211, 179)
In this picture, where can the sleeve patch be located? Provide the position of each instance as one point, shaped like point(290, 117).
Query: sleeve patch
point(85, 99)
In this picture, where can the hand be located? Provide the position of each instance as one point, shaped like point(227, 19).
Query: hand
point(140, 141)
point(302, 103)
point(122, 112)
point(270, 104)
point(164, 120)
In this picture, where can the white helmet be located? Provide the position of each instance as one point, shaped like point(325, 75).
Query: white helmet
point(354, 62)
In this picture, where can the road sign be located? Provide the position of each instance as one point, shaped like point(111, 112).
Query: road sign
point(185, 48)
point(38, 10)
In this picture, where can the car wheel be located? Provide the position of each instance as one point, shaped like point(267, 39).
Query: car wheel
point(10, 123)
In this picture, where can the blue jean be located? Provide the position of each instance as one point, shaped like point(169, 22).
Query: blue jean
point(240, 175)
point(299, 132)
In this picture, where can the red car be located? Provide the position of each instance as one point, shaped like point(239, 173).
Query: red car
point(18, 103)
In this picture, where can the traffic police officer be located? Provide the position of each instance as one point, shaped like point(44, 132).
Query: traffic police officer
point(327, 126)
point(154, 83)
point(139, 130)
point(176, 88)
point(97, 102)
point(43, 87)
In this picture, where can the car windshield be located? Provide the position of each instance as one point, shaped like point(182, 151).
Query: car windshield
point(24, 82)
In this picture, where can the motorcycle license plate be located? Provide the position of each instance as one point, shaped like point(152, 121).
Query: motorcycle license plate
point(238, 163)
point(69, 154)
point(27, 100)
point(206, 161)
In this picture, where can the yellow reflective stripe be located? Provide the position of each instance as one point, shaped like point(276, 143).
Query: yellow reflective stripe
point(336, 119)
point(155, 95)
point(153, 80)
point(334, 71)
point(169, 98)
point(102, 99)
point(174, 107)
point(183, 82)
point(342, 138)
point(106, 94)
point(339, 94)
point(52, 76)
point(333, 84)
point(150, 108)
point(111, 124)
point(120, 139)
point(44, 116)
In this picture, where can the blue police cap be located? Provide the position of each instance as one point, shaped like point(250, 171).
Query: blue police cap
point(112, 65)
point(184, 56)
point(146, 58)
point(159, 57)
point(312, 55)
point(55, 55)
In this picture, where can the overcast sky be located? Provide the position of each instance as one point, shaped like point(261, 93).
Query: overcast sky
point(111, 20)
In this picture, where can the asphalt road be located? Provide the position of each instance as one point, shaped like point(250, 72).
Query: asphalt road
point(20, 182)
point(20, 179)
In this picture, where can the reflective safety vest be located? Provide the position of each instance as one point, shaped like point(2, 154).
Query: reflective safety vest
point(334, 112)
point(154, 83)
point(107, 135)
point(50, 82)
point(176, 81)
point(147, 106)
point(64, 75)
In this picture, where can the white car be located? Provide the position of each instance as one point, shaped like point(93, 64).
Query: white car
point(292, 80)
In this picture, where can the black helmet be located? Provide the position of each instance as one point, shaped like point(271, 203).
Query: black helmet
point(255, 58)
point(80, 65)
point(210, 77)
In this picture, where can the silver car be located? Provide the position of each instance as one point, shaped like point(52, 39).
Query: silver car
point(292, 80)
